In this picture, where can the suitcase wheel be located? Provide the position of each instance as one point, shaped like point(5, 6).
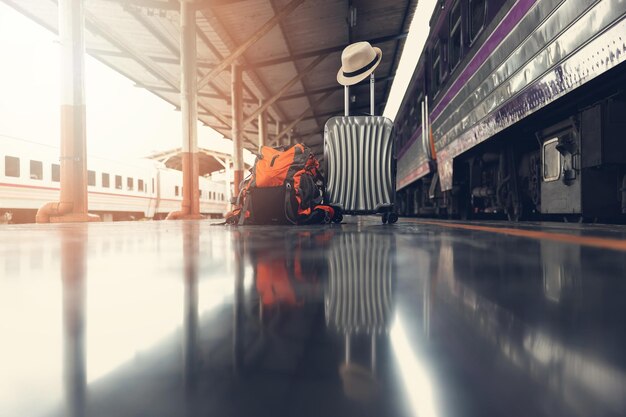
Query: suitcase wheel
point(389, 217)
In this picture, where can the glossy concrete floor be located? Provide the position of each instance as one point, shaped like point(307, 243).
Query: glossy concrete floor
point(359, 319)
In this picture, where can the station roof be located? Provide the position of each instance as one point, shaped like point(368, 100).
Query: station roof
point(290, 51)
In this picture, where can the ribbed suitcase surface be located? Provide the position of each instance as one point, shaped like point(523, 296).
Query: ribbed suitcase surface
point(360, 158)
point(359, 298)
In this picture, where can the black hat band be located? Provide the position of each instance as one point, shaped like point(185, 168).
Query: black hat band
point(362, 70)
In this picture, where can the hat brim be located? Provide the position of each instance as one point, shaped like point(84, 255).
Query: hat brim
point(343, 80)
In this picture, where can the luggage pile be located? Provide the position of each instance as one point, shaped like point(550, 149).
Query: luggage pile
point(286, 187)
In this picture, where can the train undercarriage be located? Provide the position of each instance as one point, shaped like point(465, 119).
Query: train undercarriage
point(567, 166)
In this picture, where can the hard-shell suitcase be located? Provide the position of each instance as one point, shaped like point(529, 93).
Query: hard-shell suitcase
point(360, 162)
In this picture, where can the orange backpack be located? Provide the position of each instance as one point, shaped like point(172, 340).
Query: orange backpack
point(285, 187)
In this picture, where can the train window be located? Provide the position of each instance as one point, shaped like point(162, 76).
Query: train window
point(176, 191)
point(200, 193)
point(130, 184)
point(91, 178)
point(436, 69)
point(56, 172)
point(152, 185)
point(105, 180)
point(551, 160)
point(36, 170)
point(11, 166)
point(477, 13)
point(140, 185)
point(456, 37)
point(118, 182)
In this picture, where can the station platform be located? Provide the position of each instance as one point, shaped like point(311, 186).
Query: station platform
point(420, 318)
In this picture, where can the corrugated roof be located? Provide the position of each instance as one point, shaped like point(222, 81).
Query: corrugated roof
point(140, 39)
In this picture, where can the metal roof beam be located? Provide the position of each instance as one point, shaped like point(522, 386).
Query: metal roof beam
point(290, 52)
point(325, 51)
point(262, 31)
point(331, 88)
point(94, 24)
point(149, 26)
point(167, 43)
point(284, 89)
point(155, 58)
point(172, 5)
point(205, 4)
point(291, 125)
point(222, 32)
point(338, 112)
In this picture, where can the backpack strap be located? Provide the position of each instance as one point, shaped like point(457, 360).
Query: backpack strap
point(244, 210)
point(289, 211)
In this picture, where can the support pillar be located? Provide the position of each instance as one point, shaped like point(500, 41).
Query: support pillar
point(278, 139)
point(189, 109)
point(237, 124)
point(72, 205)
point(262, 122)
point(229, 185)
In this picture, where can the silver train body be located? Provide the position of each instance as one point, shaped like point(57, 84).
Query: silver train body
point(517, 107)
point(29, 178)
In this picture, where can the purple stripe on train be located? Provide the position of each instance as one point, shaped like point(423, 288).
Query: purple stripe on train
point(508, 23)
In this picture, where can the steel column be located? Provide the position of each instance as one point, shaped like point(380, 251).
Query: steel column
point(72, 205)
point(262, 122)
point(189, 110)
point(229, 185)
point(237, 124)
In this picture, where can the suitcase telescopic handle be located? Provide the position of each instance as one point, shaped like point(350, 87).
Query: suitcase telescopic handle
point(346, 97)
point(372, 101)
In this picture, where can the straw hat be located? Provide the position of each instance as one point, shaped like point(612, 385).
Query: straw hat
point(358, 61)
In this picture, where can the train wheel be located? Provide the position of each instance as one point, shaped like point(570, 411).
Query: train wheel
point(385, 218)
point(392, 218)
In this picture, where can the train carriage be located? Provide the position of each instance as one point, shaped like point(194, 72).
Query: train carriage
point(137, 189)
point(517, 107)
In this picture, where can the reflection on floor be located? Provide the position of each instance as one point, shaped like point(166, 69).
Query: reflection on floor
point(363, 319)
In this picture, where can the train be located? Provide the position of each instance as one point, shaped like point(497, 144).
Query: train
point(117, 190)
point(517, 109)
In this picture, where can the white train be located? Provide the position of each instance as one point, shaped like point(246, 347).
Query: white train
point(30, 174)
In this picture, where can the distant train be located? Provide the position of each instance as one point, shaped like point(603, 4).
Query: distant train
point(30, 175)
point(517, 107)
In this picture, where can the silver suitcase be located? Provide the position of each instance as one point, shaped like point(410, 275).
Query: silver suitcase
point(360, 163)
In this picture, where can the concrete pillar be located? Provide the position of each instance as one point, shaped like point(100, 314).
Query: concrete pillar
point(237, 124)
point(262, 121)
point(228, 180)
point(72, 205)
point(189, 111)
